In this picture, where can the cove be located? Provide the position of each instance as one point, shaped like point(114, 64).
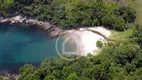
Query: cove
point(20, 45)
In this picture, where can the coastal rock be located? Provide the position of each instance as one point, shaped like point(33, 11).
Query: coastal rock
point(2, 20)
point(54, 30)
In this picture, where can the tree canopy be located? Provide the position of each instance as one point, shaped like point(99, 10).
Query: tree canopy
point(72, 13)
point(117, 61)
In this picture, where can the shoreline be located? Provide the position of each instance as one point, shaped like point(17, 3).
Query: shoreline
point(14, 70)
point(86, 39)
point(53, 30)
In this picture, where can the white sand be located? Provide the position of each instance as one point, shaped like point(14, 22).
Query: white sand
point(86, 40)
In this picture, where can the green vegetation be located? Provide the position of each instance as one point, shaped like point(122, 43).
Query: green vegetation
point(137, 35)
point(116, 61)
point(137, 4)
point(121, 36)
point(72, 13)
point(99, 44)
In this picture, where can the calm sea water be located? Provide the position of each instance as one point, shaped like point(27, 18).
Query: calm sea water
point(24, 45)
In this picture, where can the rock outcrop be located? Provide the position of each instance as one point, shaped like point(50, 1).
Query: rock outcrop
point(52, 29)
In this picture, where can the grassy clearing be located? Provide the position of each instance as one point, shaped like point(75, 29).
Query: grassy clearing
point(137, 4)
point(120, 36)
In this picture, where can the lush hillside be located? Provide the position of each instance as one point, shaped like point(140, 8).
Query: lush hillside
point(72, 13)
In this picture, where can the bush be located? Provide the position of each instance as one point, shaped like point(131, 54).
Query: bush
point(137, 35)
point(128, 13)
point(119, 23)
point(114, 22)
point(99, 44)
point(130, 26)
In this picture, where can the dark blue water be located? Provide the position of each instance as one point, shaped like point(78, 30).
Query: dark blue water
point(19, 45)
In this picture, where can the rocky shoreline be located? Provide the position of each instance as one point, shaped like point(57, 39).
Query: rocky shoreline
point(20, 20)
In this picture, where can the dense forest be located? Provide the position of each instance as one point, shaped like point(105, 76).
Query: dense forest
point(117, 61)
point(72, 13)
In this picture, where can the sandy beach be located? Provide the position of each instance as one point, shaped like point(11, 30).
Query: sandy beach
point(86, 40)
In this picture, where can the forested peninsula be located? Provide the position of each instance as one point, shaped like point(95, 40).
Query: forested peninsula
point(116, 61)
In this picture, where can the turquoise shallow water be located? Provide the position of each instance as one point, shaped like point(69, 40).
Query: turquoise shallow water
point(24, 45)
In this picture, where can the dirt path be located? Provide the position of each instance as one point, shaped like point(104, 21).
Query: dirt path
point(97, 32)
